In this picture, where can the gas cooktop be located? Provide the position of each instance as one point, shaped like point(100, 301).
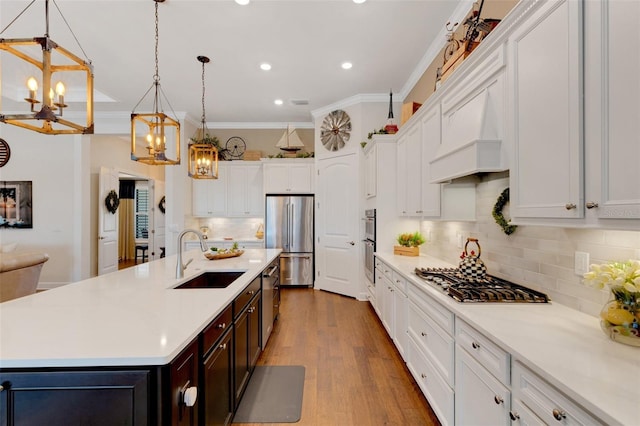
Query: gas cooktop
point(478, 290)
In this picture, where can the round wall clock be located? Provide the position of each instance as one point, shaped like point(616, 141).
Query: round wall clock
point(335, 129)
point(5, 152)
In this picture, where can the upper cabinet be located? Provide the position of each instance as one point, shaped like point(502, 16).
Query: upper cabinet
point(409, 192)
point(288, 176)
point(236, 193)
point(574, 115)
point(209, 196)
point(612, 112)
point(545, 66)
point(244, 188)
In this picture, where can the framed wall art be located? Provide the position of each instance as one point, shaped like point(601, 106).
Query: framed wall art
point(16, 204)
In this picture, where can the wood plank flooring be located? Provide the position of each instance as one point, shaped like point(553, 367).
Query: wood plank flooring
point(354, 375)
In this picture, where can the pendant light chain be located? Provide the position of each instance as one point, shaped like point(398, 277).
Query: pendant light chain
point(203, 113)
point(156, 77)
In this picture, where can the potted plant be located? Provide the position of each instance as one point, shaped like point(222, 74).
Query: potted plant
point(409, 244)
point(212, 140)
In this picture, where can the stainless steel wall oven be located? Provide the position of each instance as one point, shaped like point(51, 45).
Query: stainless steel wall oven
point(369, 243)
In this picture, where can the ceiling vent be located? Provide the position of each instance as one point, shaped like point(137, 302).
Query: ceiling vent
point(299, 102)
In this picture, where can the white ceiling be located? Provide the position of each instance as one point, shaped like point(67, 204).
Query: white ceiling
point(305, 41)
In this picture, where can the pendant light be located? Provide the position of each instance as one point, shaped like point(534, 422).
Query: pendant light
point(57, 65)
point(154, 131)
point(203, 156)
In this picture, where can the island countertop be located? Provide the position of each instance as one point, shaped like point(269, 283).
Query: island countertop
point(132, 317)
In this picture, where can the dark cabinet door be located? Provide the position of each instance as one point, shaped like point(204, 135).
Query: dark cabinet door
point(255, 315)
point(184, 381)
point(241, 357)
point(217, 366)
point(75, 398)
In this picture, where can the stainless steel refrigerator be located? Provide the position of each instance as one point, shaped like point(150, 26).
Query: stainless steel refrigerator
point(289, 226)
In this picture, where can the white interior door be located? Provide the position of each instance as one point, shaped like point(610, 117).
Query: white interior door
point(156, 220)
point(337, 225)
point(107, 223)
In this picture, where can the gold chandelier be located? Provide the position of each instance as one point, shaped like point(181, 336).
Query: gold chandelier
point(203, 156)
point(59, 64)
point(153, 130)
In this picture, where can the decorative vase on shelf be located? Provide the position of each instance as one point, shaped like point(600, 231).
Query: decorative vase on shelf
point(620, 317)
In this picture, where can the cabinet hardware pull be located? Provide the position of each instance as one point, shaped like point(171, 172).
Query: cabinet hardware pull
point(189, 396)
point(223, 325)
point(222, 346)
point(1, 388)
point(591, 205)
point(498, 399)
point(514, 415)
point(353, 243)
point(398, 281)
point(570, 206)
point(251, 310)
point(424, 376)
point(559, 414)
point(424, 334)
point(475, 345)
point(250, 292)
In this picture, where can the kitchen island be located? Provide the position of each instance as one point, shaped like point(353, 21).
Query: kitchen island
point(133, 323)
point(523, 360)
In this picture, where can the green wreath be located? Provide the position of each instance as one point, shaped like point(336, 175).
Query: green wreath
point(497, 213)
point(161, 205)
point(112, 202)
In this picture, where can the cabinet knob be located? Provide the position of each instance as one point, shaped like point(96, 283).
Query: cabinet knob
point(353, 243)
point(423, 334)
point(475, 345)
point(424, 376)
point(251, 310)
point(189, 396)
point(222, 325)
point(1, 388)
point(570, 206)
point(250, 293)
point(498, 399)
point(559, 414)
point(591, 205)
point(514, 415)
point(222, 346)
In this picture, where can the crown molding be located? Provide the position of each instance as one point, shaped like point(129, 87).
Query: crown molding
point(258, 125)
point(353, 100)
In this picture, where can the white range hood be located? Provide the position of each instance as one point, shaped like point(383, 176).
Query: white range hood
point(472, 129)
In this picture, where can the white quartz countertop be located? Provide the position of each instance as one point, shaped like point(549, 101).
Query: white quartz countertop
point(126, 318)
point(565, 347)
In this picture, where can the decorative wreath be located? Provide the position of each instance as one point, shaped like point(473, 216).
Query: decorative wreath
point(161, 204)
point(112, 201)
point(497, 213)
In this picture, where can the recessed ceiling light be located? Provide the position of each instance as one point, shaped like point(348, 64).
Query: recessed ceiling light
point(265, 66)
point(347, 65)
point(278, 102)
point(359, 1)
point(242, 2)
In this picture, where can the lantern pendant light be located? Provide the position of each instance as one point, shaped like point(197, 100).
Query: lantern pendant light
point(154, 131)
point(59, 64)
point(203, 156)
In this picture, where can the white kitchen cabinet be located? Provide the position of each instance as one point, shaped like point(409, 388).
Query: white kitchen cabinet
point(545, 65)
point(370, 171)
point(409, 181)
point(481, 399)
point(288, 176)
point(387, 308)
point(612, 112)
point(209, 196)
point(245, 197)
point(431, 193)
point(521, 416)
point(400, 313)
point(546, 402)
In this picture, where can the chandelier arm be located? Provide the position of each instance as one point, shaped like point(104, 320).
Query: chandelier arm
point(70, 30)
point(167, 100)
point(144, 96)
point(16, 18)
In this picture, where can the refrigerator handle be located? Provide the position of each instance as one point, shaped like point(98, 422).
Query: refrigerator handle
point(291, 216)
point(287, 221)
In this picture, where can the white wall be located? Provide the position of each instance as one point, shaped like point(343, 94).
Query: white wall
point(58, 169)
point(538, 257)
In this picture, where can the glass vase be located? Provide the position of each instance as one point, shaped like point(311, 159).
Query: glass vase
point(620, 317)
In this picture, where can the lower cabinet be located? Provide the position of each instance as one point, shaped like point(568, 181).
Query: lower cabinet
point(183, 373)
point(218, 403)
point(76, 397)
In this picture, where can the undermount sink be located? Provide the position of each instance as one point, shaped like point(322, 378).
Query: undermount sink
point(212, 280)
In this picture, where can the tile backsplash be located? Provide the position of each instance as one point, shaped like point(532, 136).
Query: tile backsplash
point(537, 257)
point(236, 228)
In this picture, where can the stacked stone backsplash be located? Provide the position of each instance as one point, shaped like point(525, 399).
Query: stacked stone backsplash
point(537, 257)
point(236, 228)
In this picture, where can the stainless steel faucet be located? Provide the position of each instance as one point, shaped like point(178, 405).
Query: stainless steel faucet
point(179, 266)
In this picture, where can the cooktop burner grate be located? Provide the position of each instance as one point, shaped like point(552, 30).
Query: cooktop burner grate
point(487, 289)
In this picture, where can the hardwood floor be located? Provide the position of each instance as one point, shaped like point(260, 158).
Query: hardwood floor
point(354, 375)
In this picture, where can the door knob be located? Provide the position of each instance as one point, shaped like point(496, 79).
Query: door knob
point(353, 243)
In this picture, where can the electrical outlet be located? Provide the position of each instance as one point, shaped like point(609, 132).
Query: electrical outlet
point(460, 240)
point(581, 263)
point(427, 235)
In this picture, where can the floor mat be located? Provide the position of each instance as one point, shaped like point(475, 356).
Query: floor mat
point(273, 395)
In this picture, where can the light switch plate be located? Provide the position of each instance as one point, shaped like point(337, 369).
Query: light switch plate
point(581, 263)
